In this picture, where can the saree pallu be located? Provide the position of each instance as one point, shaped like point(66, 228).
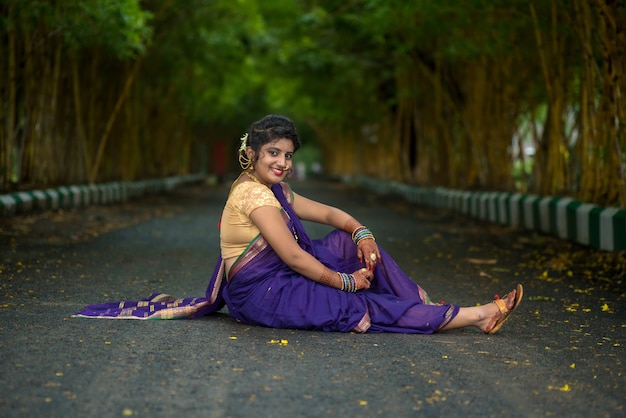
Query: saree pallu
point(162, 305)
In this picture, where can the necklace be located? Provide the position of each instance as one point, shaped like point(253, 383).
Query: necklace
point(253, 177)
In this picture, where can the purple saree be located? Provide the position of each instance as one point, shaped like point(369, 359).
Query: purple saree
point(261, 289)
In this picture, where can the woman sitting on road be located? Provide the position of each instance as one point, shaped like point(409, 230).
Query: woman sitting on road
point(276, 276)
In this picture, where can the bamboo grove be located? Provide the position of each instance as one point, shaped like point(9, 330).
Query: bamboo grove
point(508, 95)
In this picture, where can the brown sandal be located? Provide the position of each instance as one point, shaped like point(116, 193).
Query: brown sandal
point(505, 313)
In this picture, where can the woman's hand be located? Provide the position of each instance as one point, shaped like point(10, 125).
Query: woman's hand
point(368, 253)
point(363, 278)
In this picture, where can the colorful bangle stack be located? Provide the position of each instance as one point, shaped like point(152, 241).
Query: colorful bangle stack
point(348, 283)
point(361, 233)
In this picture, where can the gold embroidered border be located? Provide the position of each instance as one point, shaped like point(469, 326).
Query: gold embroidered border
point(254, 248)
point(447, 317)
point(218, 283)
point(364, 324)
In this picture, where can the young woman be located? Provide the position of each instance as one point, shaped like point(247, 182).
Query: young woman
point(271, 273)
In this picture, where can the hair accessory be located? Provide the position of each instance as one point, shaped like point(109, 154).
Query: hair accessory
point(244, 161)
point(243, 140)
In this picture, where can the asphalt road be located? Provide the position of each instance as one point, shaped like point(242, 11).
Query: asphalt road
point(561, 354)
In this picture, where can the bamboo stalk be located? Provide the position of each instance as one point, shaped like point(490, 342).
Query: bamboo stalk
point(78, 118)
point(11, 104)
point(118, 105)
point(541, 50)
point(94, 81)
point(4, 82)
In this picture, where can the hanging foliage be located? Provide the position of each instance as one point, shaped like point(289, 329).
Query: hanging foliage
point(517, 95)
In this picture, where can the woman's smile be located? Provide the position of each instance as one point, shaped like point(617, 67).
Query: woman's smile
point(274, 161)
point(279, 172)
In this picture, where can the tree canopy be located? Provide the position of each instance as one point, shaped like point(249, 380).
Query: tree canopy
point(513, 95)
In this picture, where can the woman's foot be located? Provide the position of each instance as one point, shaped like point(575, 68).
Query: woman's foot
point(503, 309)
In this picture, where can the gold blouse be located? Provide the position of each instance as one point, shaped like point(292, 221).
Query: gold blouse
point(237, 230)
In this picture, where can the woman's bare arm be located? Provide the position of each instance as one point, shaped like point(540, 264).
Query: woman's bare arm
point(311, 210)
point(270, 222)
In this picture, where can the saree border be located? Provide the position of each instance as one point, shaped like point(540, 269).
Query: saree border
point(364, 324)
point(448, 317)
point(253, 249)
point(287, 192)
point(221, 275)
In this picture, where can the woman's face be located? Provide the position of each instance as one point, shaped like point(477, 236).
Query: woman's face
point(274, 161)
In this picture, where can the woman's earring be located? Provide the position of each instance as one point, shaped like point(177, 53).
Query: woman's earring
point(244, 161)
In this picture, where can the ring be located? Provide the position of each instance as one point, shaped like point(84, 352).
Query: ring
point(364, 269)
point(373, 257)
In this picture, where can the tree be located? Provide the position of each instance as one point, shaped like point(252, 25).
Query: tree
point(433, 93)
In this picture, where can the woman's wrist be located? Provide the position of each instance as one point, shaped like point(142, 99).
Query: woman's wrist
point(351, 225)
point(329, 278)
point(348, 282)
point(341, 281)
point(360, 233)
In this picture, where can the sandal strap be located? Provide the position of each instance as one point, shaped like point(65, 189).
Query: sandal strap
point(501, 304)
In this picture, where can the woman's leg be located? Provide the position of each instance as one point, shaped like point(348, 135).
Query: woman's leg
point(483, 317)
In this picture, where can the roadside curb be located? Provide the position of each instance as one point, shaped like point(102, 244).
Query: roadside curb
point(600, 227)
point(25, 202)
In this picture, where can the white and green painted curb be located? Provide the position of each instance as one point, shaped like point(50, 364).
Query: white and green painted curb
point(25, 202)
point(585, 223)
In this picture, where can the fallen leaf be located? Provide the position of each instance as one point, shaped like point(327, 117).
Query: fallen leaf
point(481, 261)
point(564, 388)
point(559, 263)
point(542, 298)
